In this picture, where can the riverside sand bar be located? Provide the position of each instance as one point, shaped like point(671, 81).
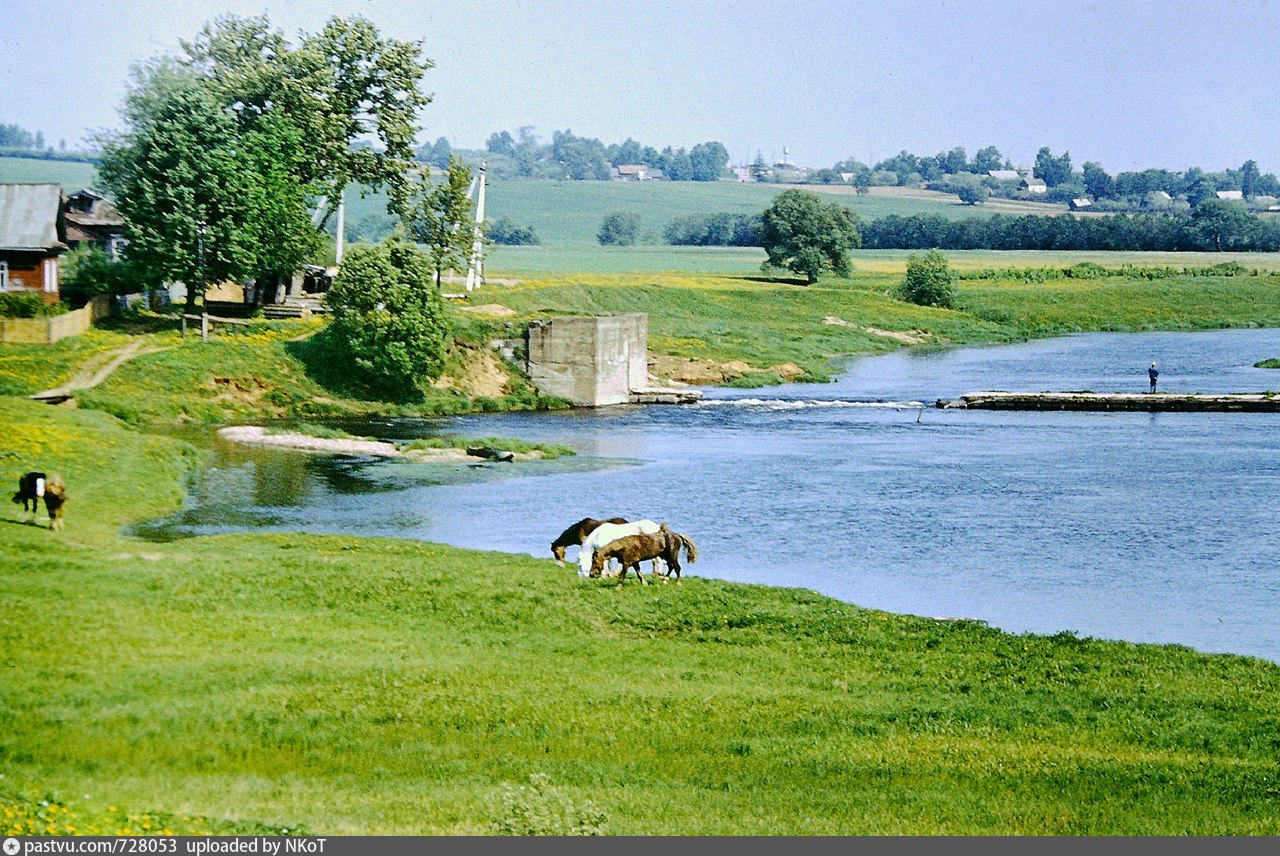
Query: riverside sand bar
point(1250, 402)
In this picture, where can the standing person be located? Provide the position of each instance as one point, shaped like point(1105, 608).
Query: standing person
point(1153, 374)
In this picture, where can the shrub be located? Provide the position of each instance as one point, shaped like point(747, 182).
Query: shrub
point(389, 320)
point(619, 229)
point(929, 280)
point(540, 808)
point(27, 304)
point(506, 232)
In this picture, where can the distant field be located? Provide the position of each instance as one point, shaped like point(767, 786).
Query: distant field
point(71, 175)
point(516, 261)
point(568, 213)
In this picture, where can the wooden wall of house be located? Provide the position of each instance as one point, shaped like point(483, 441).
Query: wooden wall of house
point(26, 270)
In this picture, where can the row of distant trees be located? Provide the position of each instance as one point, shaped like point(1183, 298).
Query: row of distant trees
point(1215, 225)
point(568, 156)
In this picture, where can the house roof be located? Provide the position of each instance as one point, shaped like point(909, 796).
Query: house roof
point(1004, 174)
point(29, 217)
point(632, 168)
point(1230, 194)
point(1033, 182)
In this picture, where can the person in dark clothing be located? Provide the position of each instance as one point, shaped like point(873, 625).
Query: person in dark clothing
point(1153, 374)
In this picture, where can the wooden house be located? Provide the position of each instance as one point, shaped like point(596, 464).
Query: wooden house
point(93, 219)
point(32, 237)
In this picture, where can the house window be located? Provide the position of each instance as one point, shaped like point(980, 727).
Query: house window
point(4, 276)
point(51, 275)
point(115, 245)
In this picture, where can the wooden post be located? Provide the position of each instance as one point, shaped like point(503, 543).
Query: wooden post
point(184, 325)
point(204, 327)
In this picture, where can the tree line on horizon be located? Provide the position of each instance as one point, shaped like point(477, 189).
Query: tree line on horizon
point(1056, 171)
point(568, 156)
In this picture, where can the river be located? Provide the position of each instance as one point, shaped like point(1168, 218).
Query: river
point(1143, 527)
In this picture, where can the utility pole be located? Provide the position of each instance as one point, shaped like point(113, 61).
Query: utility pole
point(342, 225)
point(204, 285)
point(475, 270)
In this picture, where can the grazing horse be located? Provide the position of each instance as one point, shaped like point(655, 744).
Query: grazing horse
point(631, 550)
point(30, 490)
point(33, 486)
point(607, 532)
point(576, 534)
point(55, 497)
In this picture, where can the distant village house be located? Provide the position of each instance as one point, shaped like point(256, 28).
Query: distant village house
point(1080, 204)
point(1004, 174)
point(633, 172)
point(92, 219)
point(1033, 185)
point(32, 238)
point(1231, 194)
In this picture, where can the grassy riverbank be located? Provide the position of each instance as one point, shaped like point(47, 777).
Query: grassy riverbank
point(369, 685)
point(765, 322)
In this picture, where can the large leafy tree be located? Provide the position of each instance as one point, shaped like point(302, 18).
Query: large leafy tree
point(389, 318)
point(1052, 170)
point(180, 180)
point(802, 233)
point(709, 160)
point(244, 131)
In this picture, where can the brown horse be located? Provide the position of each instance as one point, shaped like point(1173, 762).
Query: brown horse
point(576, 534)
point(634, 549)
point(55, 497)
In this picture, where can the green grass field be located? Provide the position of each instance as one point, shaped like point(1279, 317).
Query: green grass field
point(72, 175)
point(347, 685)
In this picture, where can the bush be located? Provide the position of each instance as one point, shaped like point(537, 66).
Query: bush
point(506, 232)
point(27, 304)
point(540, 808)
point(389, 320)
point(714, 230)
point(619, 229)
point(89, 271)
point(929, 280)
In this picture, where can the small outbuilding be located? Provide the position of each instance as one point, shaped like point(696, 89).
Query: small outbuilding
point(1080, 204)
point(32, 238)
point(1033, 185)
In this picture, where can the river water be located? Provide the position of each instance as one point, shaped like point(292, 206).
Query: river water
point(1144, 527)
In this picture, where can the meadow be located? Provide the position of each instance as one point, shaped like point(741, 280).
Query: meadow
point(335, 685)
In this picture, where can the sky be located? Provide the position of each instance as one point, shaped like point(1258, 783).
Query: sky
point(1160, 83)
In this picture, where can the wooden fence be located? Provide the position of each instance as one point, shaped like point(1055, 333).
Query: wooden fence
point(46, 331)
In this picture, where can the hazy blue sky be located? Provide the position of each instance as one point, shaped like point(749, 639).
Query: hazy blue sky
point(1129, 84)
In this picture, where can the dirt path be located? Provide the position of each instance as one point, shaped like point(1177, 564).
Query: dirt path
point(93, 372)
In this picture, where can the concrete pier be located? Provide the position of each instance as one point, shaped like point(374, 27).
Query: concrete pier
point(1160, 402)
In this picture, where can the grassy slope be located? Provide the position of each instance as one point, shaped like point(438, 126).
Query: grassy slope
point(266, 370)
point(381, 686)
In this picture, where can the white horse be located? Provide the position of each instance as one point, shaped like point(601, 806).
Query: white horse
point(610, 532)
